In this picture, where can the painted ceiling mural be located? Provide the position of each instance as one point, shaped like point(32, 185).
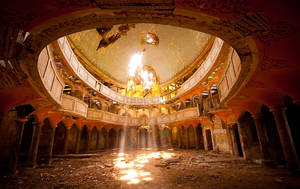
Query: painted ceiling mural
point(177, 48)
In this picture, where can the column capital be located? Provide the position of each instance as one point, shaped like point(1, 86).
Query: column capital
point(277, 109)
point(257, 116)
point(296, 101)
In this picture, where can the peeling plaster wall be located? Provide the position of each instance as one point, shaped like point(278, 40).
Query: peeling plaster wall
point(220, 136)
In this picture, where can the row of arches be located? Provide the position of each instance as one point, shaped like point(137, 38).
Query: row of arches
point(40, 142)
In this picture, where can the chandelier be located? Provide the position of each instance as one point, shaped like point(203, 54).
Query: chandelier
point(140, 75)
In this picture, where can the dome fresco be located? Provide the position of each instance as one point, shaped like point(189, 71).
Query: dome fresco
point(177, 48)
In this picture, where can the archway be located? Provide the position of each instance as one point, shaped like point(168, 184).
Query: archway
point(143, 138)
point(121, 143)
point(184, 137)
point(59, 139)
point(72, 140)
point(93, 141)
point(200, 136)
point(164, 137)
point(45, 144)
point(27, 139)
point(292, 115)
point(84, 139)
point(102, 138)
point(249, 137)
point(191, 137)
point(274, 150)
point(209, 139)
point(174, 136)
point(112, 137)
point(237, 140)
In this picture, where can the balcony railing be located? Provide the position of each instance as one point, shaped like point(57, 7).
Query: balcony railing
point(230, 75)
point(49, 75)
point(76, 106)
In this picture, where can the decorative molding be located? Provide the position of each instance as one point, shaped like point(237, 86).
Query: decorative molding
point(235, 7)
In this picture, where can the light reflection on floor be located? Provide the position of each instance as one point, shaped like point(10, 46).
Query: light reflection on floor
point(132, 169)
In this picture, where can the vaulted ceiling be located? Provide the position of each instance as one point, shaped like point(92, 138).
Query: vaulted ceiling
point(177, 49)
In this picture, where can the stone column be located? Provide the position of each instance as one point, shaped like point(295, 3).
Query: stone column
point(97, 142)
point(287, 143)
point(187, 138)
point(50, 150)
point(66, 140)
point(118, 139)
point(32, 154)
point(107, 139)
point(169, 138)
point(178, 138)
point(87, 148)
point(261, 136)
point(196, 138)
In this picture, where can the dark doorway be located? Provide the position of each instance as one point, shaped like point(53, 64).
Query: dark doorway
point(45, 142)
point(94, 139)
point(292, 114)
point(102, 139)
point(72, 140)
point(112, 138)
point(200, 136)
point(59, 139)
point(209, 140)
point(27, 139)
point(238, 142)
point(84, 139)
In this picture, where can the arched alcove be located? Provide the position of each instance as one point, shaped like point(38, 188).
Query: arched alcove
point(45, 142)
point(102, 138)
point(191, 137)
point(200, 136)
point(174, 136)
point(184, 137)
point(164, 137)
point(274, 149)
point(143, 138)
point(59, 139)
point(84, 139)
point(73, 137)
point(249, 136)
point(93, 140)
point(112, 137)
point(209, 139)
point(27, 139)
point(292, 115)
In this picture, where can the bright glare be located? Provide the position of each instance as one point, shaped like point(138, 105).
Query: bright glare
point(135, 176)
point(147, 179)
point(135, 62)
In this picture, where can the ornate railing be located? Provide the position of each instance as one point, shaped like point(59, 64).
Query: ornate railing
point(73, 105)
point(49, 75)
point(230, 75)
point(76, 106)
point(204, 68)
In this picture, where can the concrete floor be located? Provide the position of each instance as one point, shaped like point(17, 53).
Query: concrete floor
point(151, 169)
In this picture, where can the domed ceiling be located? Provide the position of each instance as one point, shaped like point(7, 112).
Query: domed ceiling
point(175, 49)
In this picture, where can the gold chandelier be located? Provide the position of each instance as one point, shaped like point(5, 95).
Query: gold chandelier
point(141, 78)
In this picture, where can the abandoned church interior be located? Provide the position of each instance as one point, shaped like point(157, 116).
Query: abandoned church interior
point(149, 94)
